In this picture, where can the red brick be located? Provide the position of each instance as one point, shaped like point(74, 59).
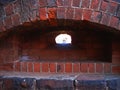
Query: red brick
point(76, 3)
point(18, 66)
point(52, 13)
point(87, 14)
point(45, 67)
point(104, 5)
point(37, 67)
point(69, 13)
point(113, 7)
point(105, 19)
point(51, 3)
point(43, 3)
point(68, 67)
point(43, 14)
point(76, 67)
point(30, 67)
point(52, 67)
point(8, 22)
point(95, 4)
point(116, 60)
point(17, 7)
point(78, 13)
point(6, 67)
point(96, 16)
point(114, 22)
point(99, 68)
point(60, 13)
point(107, 67)
point(116, 69)
point(60, 67)
point(2, 28)
point(84, 67)
point(67, 3)
point(9, 9)
point(85, 3)
point(60, 2)
point(8, 84)
point(24, 66)
point(16, 19)
point(91, 67)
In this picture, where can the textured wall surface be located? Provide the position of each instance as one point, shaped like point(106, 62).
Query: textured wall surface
point(42, 14)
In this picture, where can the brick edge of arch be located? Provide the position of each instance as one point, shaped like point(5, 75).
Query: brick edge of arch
point(57, 12)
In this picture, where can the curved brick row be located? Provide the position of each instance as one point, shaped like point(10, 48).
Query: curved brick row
point(98, 11)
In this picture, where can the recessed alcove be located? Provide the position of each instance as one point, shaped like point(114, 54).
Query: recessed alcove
point(88, 44)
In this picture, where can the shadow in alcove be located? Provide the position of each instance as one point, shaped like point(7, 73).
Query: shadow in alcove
point(36, 41)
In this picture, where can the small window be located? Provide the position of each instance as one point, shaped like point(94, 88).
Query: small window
point(63, 39)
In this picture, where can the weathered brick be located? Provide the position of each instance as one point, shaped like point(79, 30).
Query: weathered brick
point(18, 66)
point(78, 14)
point(16, 19)
point(9, 9)
point(60, 3)
point(69, 13)
point(104, 5)
point(53, 67)
point(76, 67)
point(112, 8)
point(8, 22)
point(24, 66)
point(43, 13)
point(8, 84)
point(107, 67)
point(6, 67)
point(68, 67)
point(37, 67)
point(84, 67)
point(116, 69)
point(114, 22)
point(95, 4)
point(60, 13)
point(52, 13)
point(60, 67)
point(91, 67)
point(87, 14)
point(43, 3)
point(96, 16)
point(76, 3)
point(85, 3)
point(105, 19)
point(17, 7)
point(52, 3)
point(30, 67)
point(2, 12)
point(118, 11)
point(67, 3)
point(2, 28)
point(45, 67)
point(99, 68)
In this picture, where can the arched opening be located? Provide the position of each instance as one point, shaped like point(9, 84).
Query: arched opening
point(63, 39)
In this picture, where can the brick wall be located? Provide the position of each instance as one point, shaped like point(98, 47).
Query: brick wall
point(42, 14)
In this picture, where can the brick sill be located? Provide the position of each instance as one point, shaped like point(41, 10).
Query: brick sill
point(72, 76)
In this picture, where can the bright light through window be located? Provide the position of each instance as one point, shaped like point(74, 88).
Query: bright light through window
point(63, 39)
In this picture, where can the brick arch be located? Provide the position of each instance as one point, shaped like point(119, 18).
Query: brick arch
point(23, 12)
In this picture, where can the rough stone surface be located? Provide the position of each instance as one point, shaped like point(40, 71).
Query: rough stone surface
point(28, 81)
